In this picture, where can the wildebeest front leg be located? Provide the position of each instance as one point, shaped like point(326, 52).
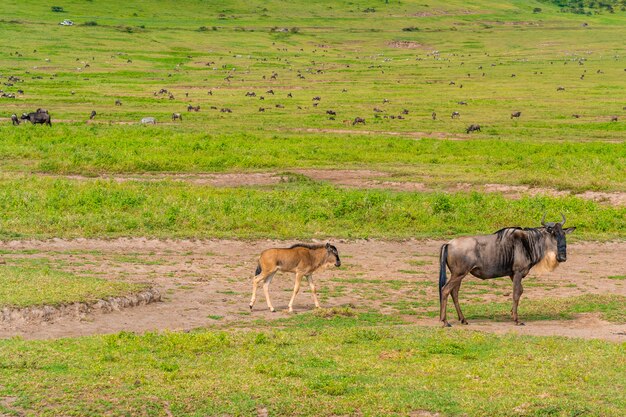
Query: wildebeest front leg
point(313, 292)
point(517, 293)
point(455, 298)
point(296, 288)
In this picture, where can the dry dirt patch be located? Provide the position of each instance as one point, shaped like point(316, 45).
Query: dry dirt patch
point(207, 283)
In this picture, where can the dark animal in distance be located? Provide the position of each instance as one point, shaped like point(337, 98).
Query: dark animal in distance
point(331, 113)
point(226, 110)
point(576, 116)
point(193, 108)
point(37, 118)
point(176, 116)
point(15, 120)
point(358, 120)
point(118, 103)
point(434, 116)
point(516, 114)
point(511, 252)
point(560, 89)
point(472, 128)
point(614, 118)
point(455, 115)
point(92, 115)
point(301, 259)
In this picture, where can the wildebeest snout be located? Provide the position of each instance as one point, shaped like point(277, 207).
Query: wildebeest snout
point(337, 263)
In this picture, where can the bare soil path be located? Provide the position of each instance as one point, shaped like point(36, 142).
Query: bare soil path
point(207, 283)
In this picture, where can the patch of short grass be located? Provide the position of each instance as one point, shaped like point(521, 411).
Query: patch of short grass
point(25, 287)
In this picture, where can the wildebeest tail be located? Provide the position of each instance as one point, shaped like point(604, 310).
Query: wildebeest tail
point(443, 258)
point(258, 269)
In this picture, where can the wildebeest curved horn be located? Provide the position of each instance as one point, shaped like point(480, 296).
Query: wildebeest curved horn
point(543, 219)
point(563, 222)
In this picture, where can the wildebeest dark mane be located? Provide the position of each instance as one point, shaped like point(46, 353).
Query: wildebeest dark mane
point(532, 240)
point(307, 245)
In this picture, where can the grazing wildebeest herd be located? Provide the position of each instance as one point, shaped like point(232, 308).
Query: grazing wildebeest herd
point(511, 251)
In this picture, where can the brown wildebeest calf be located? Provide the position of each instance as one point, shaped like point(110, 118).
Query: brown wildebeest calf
point(300, 259)
point(511, 252)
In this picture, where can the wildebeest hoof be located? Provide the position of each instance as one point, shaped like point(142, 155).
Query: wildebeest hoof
point(519, 323)
point(464, 322)
point(250, 307)
point(446, 324)
point(272, 310)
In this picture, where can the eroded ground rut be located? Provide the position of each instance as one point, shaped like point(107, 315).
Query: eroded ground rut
point(207, 284)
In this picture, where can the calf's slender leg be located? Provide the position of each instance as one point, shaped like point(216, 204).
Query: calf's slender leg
point(296, 288)
point(313, 292)
point(266, 290)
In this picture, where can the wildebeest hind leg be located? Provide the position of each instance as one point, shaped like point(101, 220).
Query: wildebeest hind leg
point(455, 281)
point(313, 292)
point(266, 290)
point(455, 298)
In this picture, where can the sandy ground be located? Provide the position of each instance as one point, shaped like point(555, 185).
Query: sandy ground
point(354, 179)
point(207, 283)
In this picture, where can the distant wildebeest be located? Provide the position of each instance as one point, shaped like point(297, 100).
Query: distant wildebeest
point(405, 111)
point(176, 116)
point(516, 114)
point(614, 118)
point(472, 128)
point(193, 108)
point(331, 113)
point(511, 252)
point(455, 115)
point(317, 98)
point(385, 101)
point(261, 108)
point(118, 102)
point(226, 110)
point(270, 92)
point(576, 116)
point(560, 89)
point(37, 118)
point(250, 94)
point(463, 103)
point(92, 115)
point(280, 106)
point(301, 259)
point(377, 110)
point(358, 120)
point(15, 120)
point(148, 121)
point(289, 95)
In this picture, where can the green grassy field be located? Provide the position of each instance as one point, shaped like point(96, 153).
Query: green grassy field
point(392, 63)
point(344, 367)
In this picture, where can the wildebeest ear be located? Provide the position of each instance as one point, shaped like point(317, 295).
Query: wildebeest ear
point(327, 245)
point(569, 230)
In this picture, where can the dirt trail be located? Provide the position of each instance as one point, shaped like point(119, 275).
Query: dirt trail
point(353, 179)
point(207, 283)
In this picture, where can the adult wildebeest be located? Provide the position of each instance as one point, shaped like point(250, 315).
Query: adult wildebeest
point(15, 120)
point(511, 252)
point(177, 116)
point(148, 121)
point(434, 116)
point(516, 114)
point(455, 115)
point(92, 115)
point(37, 117)
point(614, 118)
point(358, 120)
point(472, 128)
point(118, 102)
point(331, 113)
point(300, 259)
